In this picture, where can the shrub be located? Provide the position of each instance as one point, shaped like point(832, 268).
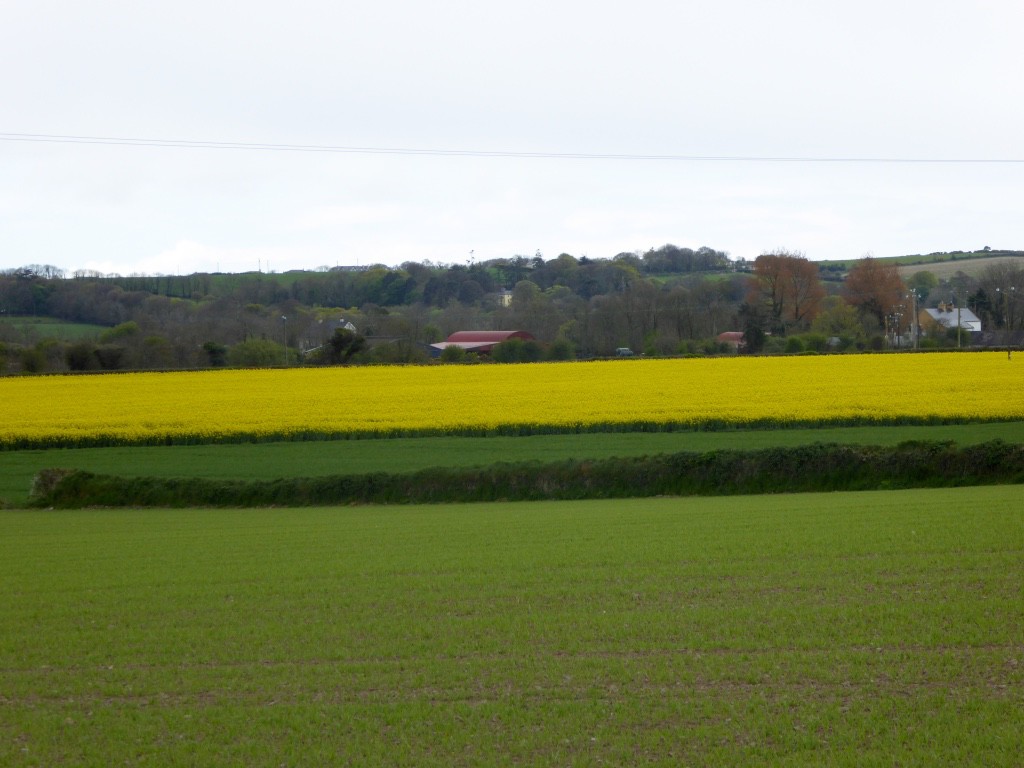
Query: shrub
point(453, 354)
point(816, 342)
point(81, 356)
point(256, 353)
point(508, 351)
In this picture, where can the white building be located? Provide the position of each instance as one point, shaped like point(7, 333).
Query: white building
point(949, 315)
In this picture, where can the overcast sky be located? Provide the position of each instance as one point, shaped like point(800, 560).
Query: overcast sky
point(910, 80)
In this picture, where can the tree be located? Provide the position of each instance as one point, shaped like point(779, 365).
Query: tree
point(753, 319)
point(81, 356)
point(787, 284)
point(343, 345)
point(217, 354)
point(453, 354)
point(839, 320)
point(508, 351)
point(256, 353)
point(560, 349)
point(922, 283)
point(876, 289)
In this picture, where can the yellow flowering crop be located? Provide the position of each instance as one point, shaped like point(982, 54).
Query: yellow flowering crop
point(452, 399)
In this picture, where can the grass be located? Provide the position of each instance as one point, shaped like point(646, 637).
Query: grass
point(247, 461)
point(974, 267)
point(842, 629)
point(52, 328)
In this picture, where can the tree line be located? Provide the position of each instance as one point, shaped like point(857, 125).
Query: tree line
point(666, 301)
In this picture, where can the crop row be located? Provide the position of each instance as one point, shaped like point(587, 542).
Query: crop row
point(228, 405)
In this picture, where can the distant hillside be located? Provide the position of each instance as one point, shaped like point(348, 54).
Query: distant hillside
point(941, 264)
point(973, 267)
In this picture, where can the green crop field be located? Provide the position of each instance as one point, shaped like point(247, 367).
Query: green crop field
point(874, 628)
point(247, 461)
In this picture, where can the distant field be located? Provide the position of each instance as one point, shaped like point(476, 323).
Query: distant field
point(946, 269)
point(635, 395)
point(839, 629)
point(49, 327)
point(261, 461)
point(935, 261)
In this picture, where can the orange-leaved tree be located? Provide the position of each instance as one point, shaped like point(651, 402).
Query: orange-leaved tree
point(787, 285)
point(876, 289)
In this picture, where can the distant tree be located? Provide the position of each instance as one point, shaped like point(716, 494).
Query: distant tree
point(531, 351)
point(430, 334)
point(81, 356)
point(32, 360)
point(559, 349)
point(508, 351)
point(112, 357)
point(754, 322)
point(794, 344)
point(453, 354)
point(470, 292)
point(157, 353)
point(839, 320)
point(343, 346)
point(217, 354)
point(923, 283)
point(876, 289)
point(256, 353)
point(787, 284)
point(120, 331)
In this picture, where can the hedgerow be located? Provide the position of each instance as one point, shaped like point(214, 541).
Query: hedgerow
point(818, 467)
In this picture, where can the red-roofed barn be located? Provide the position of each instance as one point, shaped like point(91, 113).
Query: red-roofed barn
point(479, 342)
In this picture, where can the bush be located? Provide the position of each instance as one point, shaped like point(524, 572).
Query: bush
point(453, 354)
point(531, 352)
point(111, 357)
point(560, 349)
point(256, 353)
point(794, 345)
point(815, 342)
point(81, 356)
point(122, 331)
point(508, 351)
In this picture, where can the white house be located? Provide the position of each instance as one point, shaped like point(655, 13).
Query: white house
point(949, 315)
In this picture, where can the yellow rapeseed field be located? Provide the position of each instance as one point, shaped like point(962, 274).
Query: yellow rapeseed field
point(620, 394)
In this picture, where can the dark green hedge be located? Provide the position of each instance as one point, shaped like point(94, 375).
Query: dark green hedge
point(819, 467)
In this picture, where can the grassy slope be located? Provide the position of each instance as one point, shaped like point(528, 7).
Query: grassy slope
point(274, 460)
point(933, 261)
point(52, 328)
point(842, 629)
point(974, 267)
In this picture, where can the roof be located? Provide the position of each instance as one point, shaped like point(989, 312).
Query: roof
point(947, 315)
point(479, 341)
point(486, 337)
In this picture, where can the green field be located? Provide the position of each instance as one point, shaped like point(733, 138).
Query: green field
point(52, 328)
point(248, 461)
point(840, 629)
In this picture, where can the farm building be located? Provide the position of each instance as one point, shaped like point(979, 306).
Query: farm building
point(949, 316)
point(479, 342)
point(733, 338)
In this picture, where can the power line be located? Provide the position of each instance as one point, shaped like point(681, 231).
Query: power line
point(265, 147)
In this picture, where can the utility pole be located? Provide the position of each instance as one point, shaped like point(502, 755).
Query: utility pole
point(284, 321)
point(915, 328)
point(958, 328)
